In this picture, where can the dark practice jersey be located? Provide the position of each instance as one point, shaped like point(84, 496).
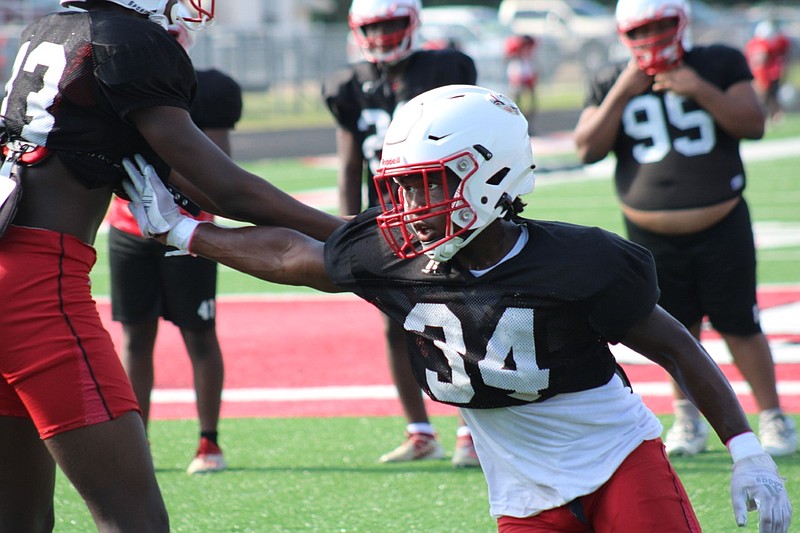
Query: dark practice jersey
point(76, 78)
point(670, 152)
point(363, 101)
point(535, 326)
point(218, 102)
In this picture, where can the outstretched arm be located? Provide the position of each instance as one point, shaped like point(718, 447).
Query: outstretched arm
point(665, 341)
point(276, 254)
point(279, 255)
point(234, 192)
point(755, 483)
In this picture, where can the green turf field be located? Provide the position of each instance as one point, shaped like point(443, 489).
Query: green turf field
point(321, 475)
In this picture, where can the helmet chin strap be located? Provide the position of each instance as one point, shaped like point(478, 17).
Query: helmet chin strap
point(161, 20)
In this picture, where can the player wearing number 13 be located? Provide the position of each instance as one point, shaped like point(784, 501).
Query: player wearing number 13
point(509, 319)
point(89, 87)
point(674, 116)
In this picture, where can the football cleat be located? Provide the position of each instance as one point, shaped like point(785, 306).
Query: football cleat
point(687, 437)
point(465, 455)
point(208, 459)
point(417, 447)
point(777, 434)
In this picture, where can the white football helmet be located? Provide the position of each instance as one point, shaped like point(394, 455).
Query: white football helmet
point(388, 48)
point(469, 132)
point(660, 52)
point(196, 15)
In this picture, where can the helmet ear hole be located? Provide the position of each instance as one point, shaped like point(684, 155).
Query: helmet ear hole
point(498, 176)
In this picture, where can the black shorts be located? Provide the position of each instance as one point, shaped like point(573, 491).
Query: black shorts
point(146, 285)
point(710, 273)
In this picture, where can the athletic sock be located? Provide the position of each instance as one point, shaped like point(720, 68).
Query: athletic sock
point(685, 410)
point(421, 427)
point(210, 435)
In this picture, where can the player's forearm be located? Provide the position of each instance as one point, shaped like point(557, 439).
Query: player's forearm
point(274, 254)
point(262, 203)
point(663, 340)
point(707, 387)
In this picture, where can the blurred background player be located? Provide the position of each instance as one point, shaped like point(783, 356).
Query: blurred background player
point(521, 73)
point(148, 282)
point(767, 54)
point(674, 116)
point(363, 97)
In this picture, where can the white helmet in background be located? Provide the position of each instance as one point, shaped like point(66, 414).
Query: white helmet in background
point(660, 52)
point(196, 15)
point(388, 48)
point(765, 30)
point(475, 135)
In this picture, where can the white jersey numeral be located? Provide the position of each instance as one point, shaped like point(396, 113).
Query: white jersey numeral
point(644, 119)
point(523, 378)
point(54, 58)
point(207, 309)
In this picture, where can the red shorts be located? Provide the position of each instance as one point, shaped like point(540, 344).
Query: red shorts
point(644, 494)
point(58, 365)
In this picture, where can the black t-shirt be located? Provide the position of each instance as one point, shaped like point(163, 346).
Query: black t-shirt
point(218, 102)
point(78, 76)
point(670, 152)
point(363, 101)
point(535, 326)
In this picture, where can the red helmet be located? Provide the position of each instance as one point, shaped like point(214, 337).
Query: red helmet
point(656, 52)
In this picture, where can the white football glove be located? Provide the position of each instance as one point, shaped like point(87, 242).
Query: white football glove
point(153, 206)
point(756, 485)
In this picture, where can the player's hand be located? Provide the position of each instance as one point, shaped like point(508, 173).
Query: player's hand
point(633, 81)
point(756, 485)
point(153, 205)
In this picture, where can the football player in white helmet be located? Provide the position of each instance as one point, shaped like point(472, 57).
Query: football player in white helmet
point(514, 327)
point(385, 30)
point(362, 98)
point(674, 117)
point(484, 178)
point(660, 50)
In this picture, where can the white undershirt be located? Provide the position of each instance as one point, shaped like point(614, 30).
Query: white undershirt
point(539, 456)
point(522, 240)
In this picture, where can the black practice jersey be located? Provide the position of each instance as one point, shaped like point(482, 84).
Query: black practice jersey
point(670, 152)
point(76, 78)
point(363, 101)
point(535, 326)
point(218, 102)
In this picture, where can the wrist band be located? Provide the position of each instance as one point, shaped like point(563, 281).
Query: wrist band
point(744, 445)
point(181, 235)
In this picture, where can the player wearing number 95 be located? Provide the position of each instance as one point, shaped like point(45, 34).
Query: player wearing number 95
point(674, 116)
point(90, 87)
point(508, 318)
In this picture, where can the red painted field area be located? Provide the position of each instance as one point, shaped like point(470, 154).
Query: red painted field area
point(325, 357)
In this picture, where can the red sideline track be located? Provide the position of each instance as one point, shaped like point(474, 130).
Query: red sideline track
point(325, 356)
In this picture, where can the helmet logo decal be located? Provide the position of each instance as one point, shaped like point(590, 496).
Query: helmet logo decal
point(503, 102)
